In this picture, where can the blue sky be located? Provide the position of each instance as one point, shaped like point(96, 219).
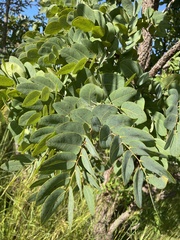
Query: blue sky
point(34, 10)
point(31, 11)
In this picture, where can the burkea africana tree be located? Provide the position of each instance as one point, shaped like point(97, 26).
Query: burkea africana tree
point(93, 110)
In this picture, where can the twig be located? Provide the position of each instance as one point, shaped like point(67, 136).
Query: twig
point(121, 219)
point(164, 59)
point(168, 6)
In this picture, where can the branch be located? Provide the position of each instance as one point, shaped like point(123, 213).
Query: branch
point(121, 219)
point(144, 49)
point(164, 59)
point(168, 6)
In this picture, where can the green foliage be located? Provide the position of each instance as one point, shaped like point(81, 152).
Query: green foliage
point(82, 105)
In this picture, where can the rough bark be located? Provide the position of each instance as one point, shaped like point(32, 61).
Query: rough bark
point(5, 28)
point(104, 210)
point(144, 49)
point(106, 205)
point(164, 59)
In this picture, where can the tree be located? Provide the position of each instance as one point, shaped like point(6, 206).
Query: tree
point(86, 114)
point(13, 24)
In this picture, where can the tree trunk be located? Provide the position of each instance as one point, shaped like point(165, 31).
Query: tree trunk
point(144, 49)
point(105, 225)
point(5, 27)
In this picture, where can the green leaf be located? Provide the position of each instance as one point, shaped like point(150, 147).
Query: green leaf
point(85, 11)
point(81, 115)
point(134, 111)
point(98, 32)
point(173, 98)
point(34, 119)
point(33, 55)
point(39, 134)
point(39, 182)
point(92, 181)
point(45, 94)
point(105, 137)
point(24, 118)
point(80, 65)
point(169, 139)
point(26, 88)
point(174, 145)
point(56, 84)
point(68, 142)
point(60, 161)
point(41, 145)
point(86, 162)
point(127, 166)
point(129, 134)
point(70, 207)
point(68, 68)
point(103, 111)
point(89, 196)
point(121, 95)
point(91, 93)
point(110, 32)
point(51, 204)
point(53, 27)
point(75, 53)
point(137, 186)
point(158, 182)
point(50, 185)
point(78, 179)
point(66, 105)
point(112, 81)
point(72, 127)
point(13, 67)
point(128, 6)
point(44, 82)
point(16, 163)
point(153, 166)
point(83, 23)
point(5, 81)
point(116, 149)
point(95, 124)
point(115, 122)
point(170, 121)
point(90, 147)
point(53, 120)
point(139, 148)
point(31, 99)
point(129, 67)
point(159, 124)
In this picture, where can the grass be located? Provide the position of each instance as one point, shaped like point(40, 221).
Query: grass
point(21, 220)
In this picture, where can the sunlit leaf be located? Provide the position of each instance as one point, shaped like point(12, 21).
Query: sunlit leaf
point(116, 149)
point(153, 166)
point(70, 207)
point(105, 137)
point(86, 162)
point(60, 161)
point(68, 142)
point(89, 196)
point(121, 95)
point(5, 81)
point(127, 166)
point(158, 182)
point(51, 204)
point(134, 111)
point(137, 186)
